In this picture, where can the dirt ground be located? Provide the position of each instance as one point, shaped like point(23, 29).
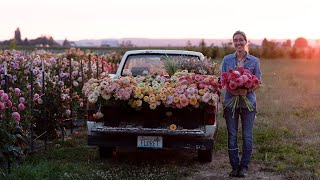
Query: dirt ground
point(219, 168)
point(187, 163)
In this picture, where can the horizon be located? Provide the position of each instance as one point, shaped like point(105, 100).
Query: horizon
point(122, 38)
point(118, 19)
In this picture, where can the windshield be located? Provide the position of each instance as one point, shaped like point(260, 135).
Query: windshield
point(153, 63)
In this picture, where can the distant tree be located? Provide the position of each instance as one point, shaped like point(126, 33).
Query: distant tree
point(300, 43)
point(286, 44)
point(203, 48)
point(214, 51)
point(189, 44)
point(270, 49)
point(293, 53)
point(25, 42)
point(66, 43)
point(44, 40)
point(17, 36)
point(127, 43)
point(226, 48)
point(202, 44)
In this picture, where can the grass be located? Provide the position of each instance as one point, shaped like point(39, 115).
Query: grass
point(74, 160)
point(287, 127)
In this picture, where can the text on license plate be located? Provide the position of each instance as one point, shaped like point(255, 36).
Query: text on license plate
point(149, 141)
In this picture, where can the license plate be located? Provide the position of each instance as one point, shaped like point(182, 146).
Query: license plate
point(149, 141)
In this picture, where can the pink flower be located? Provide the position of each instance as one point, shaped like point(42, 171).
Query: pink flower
point(191, 90)
point(224, 76)
point(255, 81)
point(248, 75)
point(241, 70)
point(184, 82)
point(68, 112)
point(206, 97)
point(16, 116)
point(246, 71)
point(201, 86)
point(9, 103)
point(97, 115)
point(1, 92)
point(21, 106)
point(169, 99)
point(239, 82)
point(17, 92)
point(198, 78)
point(179, 90)
point(22, 100)
point(233, 85)
point(248, 84)
point(234, 75)
point(244, 78)
point(184, 101)
point(36, 96)
point(125, 95)
point(2, 106)
point(4, 97)
point(40, 101)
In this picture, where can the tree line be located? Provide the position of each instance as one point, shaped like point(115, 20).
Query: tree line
point(268, 49)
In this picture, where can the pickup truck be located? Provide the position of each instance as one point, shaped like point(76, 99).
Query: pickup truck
point(163, 128)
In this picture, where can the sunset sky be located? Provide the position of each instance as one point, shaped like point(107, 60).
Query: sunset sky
point(207, 19)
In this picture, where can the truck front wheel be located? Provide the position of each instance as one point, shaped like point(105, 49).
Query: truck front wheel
point(205, 155)
point(106, 152)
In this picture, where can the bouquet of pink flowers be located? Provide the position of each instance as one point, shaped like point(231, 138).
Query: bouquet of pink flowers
point(239, 82)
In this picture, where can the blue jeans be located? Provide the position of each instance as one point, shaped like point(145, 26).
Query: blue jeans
point(247, 119)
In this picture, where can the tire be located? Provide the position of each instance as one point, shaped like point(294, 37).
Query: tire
point(205, 155)
point(106, 152)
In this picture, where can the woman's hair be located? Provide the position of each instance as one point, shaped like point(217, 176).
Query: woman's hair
point(242, 33)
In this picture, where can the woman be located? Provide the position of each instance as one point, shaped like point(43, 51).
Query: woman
point(241, 58)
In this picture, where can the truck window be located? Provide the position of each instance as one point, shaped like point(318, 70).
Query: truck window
point(153, 63)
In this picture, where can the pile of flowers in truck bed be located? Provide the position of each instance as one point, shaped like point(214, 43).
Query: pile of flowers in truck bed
point(180, 90)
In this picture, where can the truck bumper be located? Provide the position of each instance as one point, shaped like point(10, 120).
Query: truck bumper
point(128, 137)
point(169, 141)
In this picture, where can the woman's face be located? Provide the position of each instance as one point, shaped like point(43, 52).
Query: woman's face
point(239, 42)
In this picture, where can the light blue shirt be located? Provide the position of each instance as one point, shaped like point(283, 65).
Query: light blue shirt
point(251, 63)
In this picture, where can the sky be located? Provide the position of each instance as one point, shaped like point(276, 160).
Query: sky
point(176, 19)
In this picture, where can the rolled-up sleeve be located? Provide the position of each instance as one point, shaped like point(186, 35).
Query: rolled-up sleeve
point(257, 70)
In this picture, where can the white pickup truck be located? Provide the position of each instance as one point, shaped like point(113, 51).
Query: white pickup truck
point(141, 129)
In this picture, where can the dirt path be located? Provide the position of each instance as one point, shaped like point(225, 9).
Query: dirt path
point(187, 163)
point(219, 168)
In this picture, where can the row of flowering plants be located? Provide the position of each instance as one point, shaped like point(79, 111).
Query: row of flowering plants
point(56, 81)
point(13, 142)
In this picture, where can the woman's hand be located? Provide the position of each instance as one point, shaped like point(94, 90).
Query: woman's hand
point(238, 92)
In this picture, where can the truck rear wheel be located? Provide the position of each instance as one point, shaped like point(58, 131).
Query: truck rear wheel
point(205, 155)
point(106, 152)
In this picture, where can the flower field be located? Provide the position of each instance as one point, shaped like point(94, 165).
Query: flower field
point(41, 93)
